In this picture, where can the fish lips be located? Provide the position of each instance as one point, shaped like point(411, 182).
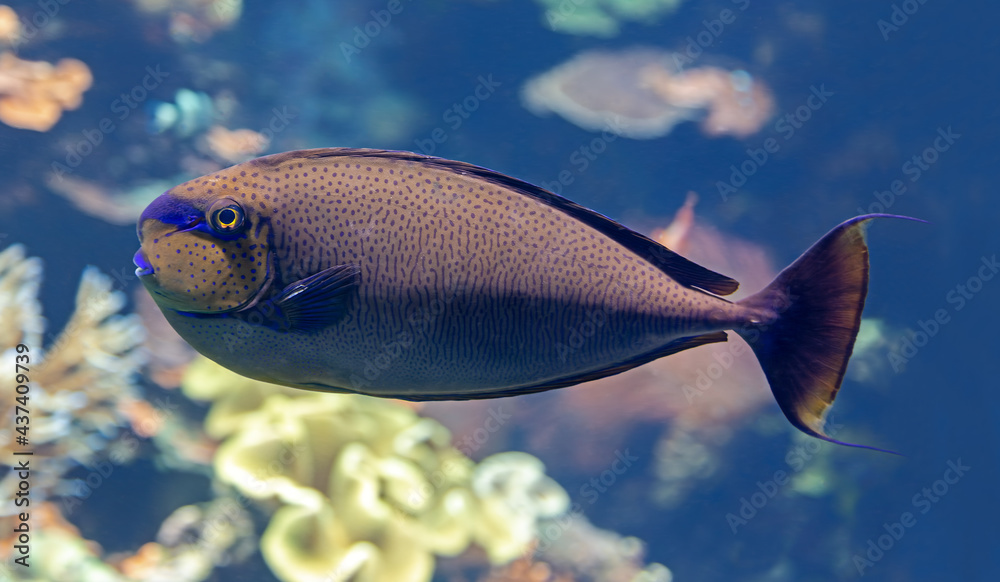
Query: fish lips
point(143, 267)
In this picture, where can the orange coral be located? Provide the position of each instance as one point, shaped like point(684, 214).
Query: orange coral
point(145, 561)
point(234, 145)
point(33, 94)
point(737, 104)
point(525, 569)
point(10, 28)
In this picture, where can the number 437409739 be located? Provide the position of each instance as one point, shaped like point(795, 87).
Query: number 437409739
point(21, 418)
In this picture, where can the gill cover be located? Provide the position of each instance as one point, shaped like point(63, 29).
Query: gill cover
point(205, 258)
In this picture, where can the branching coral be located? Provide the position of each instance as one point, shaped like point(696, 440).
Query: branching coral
point(367, 489)
point(78, 386)
point(33, 94)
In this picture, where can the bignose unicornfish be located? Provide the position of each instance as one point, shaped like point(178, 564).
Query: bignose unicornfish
point(400, 275)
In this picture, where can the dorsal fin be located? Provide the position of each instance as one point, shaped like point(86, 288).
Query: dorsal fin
point(677, 267)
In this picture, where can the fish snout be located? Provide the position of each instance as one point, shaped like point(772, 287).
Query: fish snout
point(143, 267)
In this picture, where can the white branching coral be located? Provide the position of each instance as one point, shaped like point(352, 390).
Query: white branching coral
point(77, 386)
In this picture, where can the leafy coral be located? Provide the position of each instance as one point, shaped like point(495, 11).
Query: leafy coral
point(366, 489)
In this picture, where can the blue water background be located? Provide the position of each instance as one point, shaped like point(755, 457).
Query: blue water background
point(939, 70)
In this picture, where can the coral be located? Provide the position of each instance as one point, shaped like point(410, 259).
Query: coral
point(603, 17)
point(79, 385)
point(95, 200)
point(192, 541)
point(365, 487)
point(67, 556)
point(526, 569)
point(737, 104)
point(642, 93)
point(108, 204)
point(233, 146)
point(191, 112)
point(577, 551)
point(194, 20)
point(10, 27)
point(169, 354)
point(602, 91)
point(33, 94)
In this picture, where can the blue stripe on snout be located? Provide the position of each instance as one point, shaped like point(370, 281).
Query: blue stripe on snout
point(168, 209)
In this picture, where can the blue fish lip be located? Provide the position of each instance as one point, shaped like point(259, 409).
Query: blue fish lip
point(140, 261)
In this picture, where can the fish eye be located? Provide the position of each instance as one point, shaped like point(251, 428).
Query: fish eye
point(226, 216)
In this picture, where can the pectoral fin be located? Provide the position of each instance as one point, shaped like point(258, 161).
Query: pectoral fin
point(320, 300)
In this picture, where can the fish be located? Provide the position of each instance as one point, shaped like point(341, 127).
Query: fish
point(399, 275)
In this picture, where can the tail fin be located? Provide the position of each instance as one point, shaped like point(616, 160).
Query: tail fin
point(812, 312)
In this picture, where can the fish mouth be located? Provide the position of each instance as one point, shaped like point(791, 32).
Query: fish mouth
point(142, 263)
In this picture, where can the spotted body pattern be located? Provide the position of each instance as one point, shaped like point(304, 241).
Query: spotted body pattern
point(466, 285)
point(395, 274)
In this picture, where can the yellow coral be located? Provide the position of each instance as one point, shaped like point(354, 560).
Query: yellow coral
point(368, 490)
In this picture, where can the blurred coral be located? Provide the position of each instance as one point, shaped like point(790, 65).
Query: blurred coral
point(233, 146)
point(590, 554)
point(642, 93)
point(602, 91)
point(68, 557)
point(603, 17)
point(33, 94)
point(192, 542)
point(194, 20)
point(169, 354)
point(526, 569)
point(94, 199)
point(737, 104)
point(366, 488)
point(79, 386)
point(10, 27)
